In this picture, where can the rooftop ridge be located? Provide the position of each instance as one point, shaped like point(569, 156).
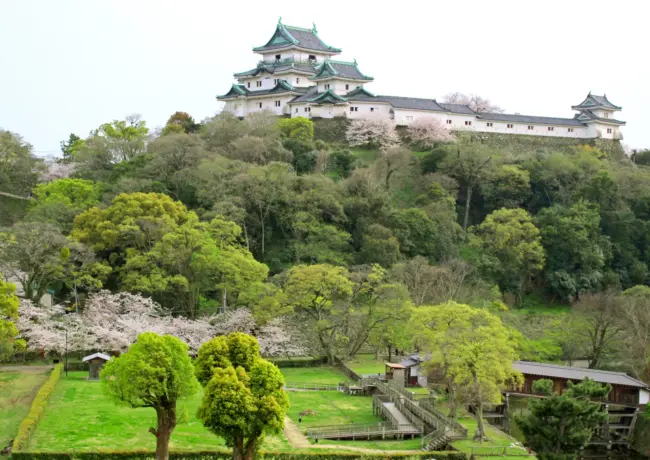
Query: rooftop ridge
point(559, 366)
point(302, 29)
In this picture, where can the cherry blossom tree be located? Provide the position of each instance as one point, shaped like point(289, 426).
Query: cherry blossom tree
point(473, 101)
point(427, 132)
point(373, 132)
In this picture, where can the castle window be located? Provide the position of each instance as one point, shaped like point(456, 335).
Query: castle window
point(409, 118)
point(530, 127)
point(372, 109)
point(297, 80)
point(312, 57)
point(609, 130)
point(570, 130)
point(354, 109)
point(260, 105)
point(489, 124)
point(606, 114)
point(275, 81)
point(347, 86)
point(248, 84)
point(551, 128)
point(468, 123)
point(278, 57)
point(509, 126)
point(327, 86)
point(448, 122)
point(258, 84)
point(277, 103)
point(296, 109)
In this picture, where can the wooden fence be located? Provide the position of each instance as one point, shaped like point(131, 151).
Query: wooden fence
point(313, 386)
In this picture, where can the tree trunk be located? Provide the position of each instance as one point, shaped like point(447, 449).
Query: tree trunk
point(243, 451)
point(453, 407)
point(225, 299)
point(166, 425)
point(390, 353)
point(468, 199)
point(480, 428)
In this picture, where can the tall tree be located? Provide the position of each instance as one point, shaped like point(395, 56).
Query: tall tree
point(70, 148)
point(19, 167)
point(243, 398)
point(320, 292)
point(125, 138)
point(180, 122)
point(636, 312)
point(469, 166)
point(558, 426)
point(155, 372)
point(513, 248)
point(602, 325)
point(473, 349)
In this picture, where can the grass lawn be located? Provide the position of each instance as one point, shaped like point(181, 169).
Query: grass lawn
point(17, 390)
point(365, 156)
point(320, 375)
point(331, 407)
point(80, 418)
point(496, 439)
point(366, 364)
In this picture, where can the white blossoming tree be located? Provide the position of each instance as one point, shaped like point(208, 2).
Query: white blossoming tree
point(372, 132)
point(428, 132)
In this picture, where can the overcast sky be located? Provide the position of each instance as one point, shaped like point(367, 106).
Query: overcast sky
point(70, 65)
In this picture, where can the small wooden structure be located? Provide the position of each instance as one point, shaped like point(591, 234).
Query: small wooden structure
point(397, 373)
point(95, 364)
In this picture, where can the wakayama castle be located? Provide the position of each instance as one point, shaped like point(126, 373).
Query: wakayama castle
point(297, 77)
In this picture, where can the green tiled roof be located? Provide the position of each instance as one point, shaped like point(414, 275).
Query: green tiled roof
point(296, 36)
point(328, 97)
point(282, 87)
point(341, 69)
point(595, 102)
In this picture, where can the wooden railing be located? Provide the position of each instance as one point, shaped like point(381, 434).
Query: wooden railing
point(448, 421)
point(358, 431)
point(433, 436)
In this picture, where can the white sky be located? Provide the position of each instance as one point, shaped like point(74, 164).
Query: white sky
point(70, 65)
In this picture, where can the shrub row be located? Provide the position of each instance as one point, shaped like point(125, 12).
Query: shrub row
point(326, 454)
point(29, 423)
point(299, 362)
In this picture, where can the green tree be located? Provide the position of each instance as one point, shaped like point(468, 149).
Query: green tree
point(470, 166)
point(636, 312)
point(38, 255)
point(60, 201)
point(320, 292)
point(180, 122)
point(513, 248)
point(70, 148)
point(318, 242)
point(507, 186)
point(243, 398)
point(155, 372)
point(558, 426)
point(415, 231)
point(8, 316)
point(19, 167)
point(576, 250)
point(298, 128)
point(472, 348)
point(380, 246)
point(125, 138)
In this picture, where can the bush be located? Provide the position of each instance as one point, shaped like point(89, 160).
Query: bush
point(299, 128)
point(326, 454)
point(29, 423)
point(299, 362)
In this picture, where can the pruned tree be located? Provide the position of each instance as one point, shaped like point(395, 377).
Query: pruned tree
point(155, 372)
point(557, 427)
point(8, 316)
point(429, 132)
point(243, 398)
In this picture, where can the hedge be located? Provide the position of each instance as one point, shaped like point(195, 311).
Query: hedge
point(327, 454)
point(299, 362)
point(29, 423)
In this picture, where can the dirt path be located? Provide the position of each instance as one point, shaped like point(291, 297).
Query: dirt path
point(300, 441)
point(26, 369)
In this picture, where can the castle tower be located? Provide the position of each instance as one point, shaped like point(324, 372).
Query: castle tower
point(600, 117)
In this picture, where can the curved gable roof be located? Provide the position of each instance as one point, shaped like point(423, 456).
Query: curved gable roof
point(285, 36)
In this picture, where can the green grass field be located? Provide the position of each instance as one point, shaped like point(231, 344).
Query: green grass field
point(80, 418)
point(317, 375)
point(406, 444)
point(17, 390)
point(331, 407)
point(366, 364)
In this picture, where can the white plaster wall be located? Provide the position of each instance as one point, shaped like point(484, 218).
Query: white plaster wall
point(379, 110)
point(644, 397)
point(253, 105)
point(328, 111)
point(300, 110)
point(237, 107)
point(297, 55)
point(338, 86)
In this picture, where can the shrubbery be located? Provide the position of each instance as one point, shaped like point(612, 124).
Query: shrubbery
point(29, 423)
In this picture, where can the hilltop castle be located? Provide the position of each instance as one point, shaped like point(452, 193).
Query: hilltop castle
point(298, 77)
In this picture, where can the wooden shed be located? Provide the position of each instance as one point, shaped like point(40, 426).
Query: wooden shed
point(95, 364)
point(396, 372)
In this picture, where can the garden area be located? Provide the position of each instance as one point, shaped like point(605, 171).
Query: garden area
point(17, 389)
